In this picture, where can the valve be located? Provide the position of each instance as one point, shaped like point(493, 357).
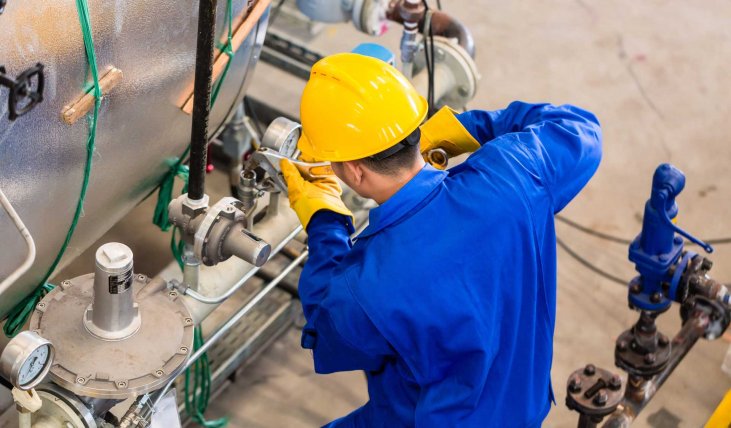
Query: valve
point(657, 249)
point(26, 90)
point(217, 232)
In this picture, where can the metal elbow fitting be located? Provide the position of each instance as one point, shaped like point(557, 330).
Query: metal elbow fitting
point(217, 232)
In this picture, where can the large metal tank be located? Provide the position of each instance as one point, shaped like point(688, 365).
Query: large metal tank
point(141, 125)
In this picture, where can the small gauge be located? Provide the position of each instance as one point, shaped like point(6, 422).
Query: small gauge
point(26, 360)
point(282, 136)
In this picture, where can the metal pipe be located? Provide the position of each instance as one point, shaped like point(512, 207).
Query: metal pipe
point(449, 27)
point(233, 321)
point(29, 243)
point(640, 391)
point(201, 98)
point(188, 291)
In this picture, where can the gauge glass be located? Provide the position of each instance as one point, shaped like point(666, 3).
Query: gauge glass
point(34, 365)
point(289, 145)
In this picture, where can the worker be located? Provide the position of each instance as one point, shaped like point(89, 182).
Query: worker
point(447, 299)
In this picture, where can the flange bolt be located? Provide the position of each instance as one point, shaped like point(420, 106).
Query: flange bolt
point(600, 399)
point(615, 383)
point(649, 358)
point(575, 384)
point(589, 370)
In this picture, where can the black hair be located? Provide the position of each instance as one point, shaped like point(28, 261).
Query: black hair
point(396, 158)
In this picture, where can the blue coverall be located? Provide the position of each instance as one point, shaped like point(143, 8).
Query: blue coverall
point(447, 300)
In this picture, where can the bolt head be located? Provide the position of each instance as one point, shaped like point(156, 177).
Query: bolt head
point(656, 297)
point(589, 370)
point(677, 240)
point(600, 399)
point(650, 358)
point(615, 383)
point(575, 384)
point(707, 264)
point(635, 288)
point(663, 340)
point(621, 345)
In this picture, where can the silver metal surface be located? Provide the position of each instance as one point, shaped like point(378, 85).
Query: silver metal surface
point(141, 126)
point(113, 313)
point(188, 291)
point(61, 409)
point(20, 354)
point(89, 366)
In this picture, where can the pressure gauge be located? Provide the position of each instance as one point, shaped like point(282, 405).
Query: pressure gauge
point(282, 136)
point(26, 360)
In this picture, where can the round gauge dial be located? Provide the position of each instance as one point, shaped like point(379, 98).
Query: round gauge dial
point(26, 359)
point(282, 136)
point(34, 365)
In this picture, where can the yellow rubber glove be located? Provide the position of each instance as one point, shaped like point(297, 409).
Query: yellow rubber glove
point(308, 197)
point(444, 131)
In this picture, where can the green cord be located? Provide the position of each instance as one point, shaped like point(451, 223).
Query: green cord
point(198, 392)
point(20, 313)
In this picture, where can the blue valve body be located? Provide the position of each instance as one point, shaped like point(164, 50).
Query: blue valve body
point(657, 247)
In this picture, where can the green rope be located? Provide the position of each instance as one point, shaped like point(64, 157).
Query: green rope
point(20, 313)
point(197, 387)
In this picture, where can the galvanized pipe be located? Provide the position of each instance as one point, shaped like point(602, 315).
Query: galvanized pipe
point(201, 98)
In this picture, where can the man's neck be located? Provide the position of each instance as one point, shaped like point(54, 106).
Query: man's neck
point(395, 184)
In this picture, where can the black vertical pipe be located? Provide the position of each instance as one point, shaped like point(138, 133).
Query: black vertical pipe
point(201, 98)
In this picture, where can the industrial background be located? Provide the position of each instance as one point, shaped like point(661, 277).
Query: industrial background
point(656, 74)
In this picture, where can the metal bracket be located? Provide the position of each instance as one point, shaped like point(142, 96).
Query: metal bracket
point(26, 91)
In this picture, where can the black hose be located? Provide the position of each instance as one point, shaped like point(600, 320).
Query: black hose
point(201, 98)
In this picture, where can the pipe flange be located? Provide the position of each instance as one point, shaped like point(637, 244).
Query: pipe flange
point(718, 316)
point(630, 356)
point(461, 65)
point(92, 367)
point(59, 407)
point(213, 228)
point(593, 391)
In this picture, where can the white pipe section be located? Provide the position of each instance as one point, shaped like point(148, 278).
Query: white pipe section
point(444, 82)
point(30, 244)
point(218, 280)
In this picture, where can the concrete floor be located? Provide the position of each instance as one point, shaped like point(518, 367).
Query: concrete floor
point(656, 74)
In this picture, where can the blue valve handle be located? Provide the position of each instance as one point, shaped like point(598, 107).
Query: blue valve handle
point(657, 248)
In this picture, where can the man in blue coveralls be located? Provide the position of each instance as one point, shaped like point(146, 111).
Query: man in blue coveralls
point(447, 300)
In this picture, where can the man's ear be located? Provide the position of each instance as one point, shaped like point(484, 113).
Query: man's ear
point(354, 169)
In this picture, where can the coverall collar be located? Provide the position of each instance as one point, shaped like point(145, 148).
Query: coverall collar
point(403, 201)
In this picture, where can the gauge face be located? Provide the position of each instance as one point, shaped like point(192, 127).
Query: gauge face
point(34, 365)
point(289, 145)
point(282, 136)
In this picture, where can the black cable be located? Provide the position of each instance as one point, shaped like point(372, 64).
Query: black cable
point(592, 232)
point(430, 63)
point(618, 240)
point(589, 265)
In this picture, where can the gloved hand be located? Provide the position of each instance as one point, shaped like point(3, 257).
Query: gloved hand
point(444, 131)
point(308, 197)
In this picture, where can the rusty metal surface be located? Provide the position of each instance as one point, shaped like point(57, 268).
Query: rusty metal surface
point(141, 126)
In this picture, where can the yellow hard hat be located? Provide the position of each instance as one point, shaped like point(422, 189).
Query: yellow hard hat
point(355, 106)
